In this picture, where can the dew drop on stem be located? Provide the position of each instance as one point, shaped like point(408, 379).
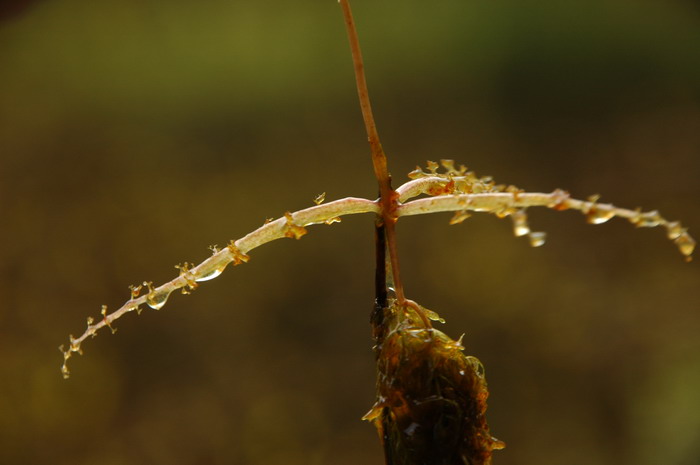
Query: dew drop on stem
point(598, 216)
point(156, 299)
point(459, 217)
point(686, 244)
point(520, 226)
point(674, 230)
point(209, 272)
point(647, 220)
point(537, 239)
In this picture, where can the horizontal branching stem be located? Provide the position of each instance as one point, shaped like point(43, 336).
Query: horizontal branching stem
point(489, 202)
point(293, 225)
point(318, 214)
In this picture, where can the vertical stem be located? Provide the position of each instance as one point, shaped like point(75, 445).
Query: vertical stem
point(388, 197)
point(381, 288)
point(380, 283)
point(378, 157)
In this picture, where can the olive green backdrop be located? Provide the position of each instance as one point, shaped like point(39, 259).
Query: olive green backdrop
point(134, 134)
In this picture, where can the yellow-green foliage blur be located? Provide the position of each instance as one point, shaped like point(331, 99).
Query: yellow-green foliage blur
point(135, 134)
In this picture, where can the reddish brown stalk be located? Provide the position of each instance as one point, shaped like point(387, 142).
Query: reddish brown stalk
point(378, 156)
point(388, 197)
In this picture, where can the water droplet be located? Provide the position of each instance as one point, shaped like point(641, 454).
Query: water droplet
point(131, 307)
point(209, 272)
point(537, 239)
point(459, 217)
point(520, 226)
point(156, 299)
point(597, 215)
point(504, 211)
point(647, 220)
point(686, 244)
point(674, 229)
point(320, 198)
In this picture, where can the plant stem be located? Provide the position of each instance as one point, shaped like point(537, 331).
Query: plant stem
point(388, 197)
point(378, 156)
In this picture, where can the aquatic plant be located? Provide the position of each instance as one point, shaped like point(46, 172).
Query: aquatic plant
point(431, 398)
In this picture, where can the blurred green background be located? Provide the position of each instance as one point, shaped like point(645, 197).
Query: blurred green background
point(133, 134)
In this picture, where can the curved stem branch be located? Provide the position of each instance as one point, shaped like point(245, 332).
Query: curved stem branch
point(293, 225)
